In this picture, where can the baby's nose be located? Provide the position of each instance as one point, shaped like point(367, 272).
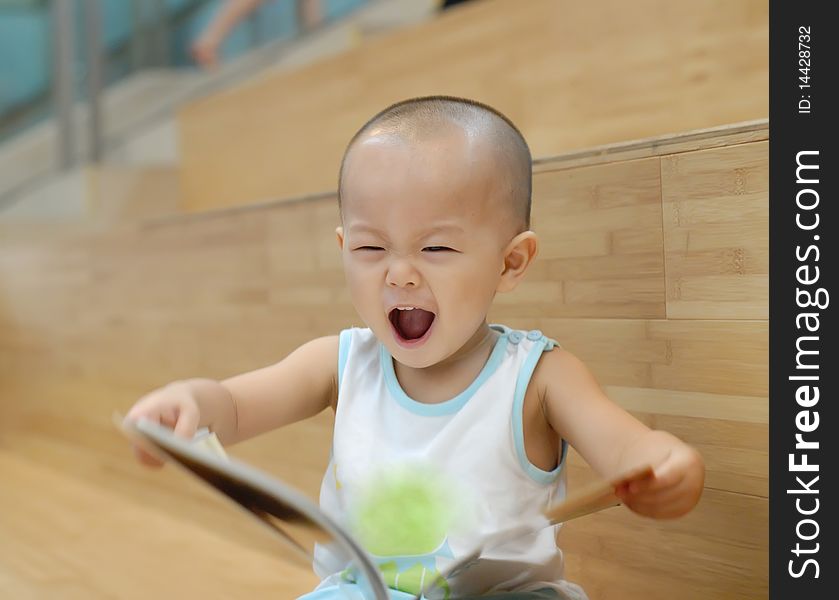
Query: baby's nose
point(401, 273)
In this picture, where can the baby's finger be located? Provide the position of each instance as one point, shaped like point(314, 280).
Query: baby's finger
point(140, 410)
point(168, 416)
point(666, 476)
point(146, 458)
point(638, 476)
point(187, 421)
point(669, 474)
point(674, 504)
point(638, 487)
point(655, 497)
point(136, 413)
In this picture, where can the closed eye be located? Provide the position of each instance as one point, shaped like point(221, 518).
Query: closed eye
point(438, 249)
point(369, 248)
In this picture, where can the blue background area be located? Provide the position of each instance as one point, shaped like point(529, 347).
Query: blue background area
point(26, 39)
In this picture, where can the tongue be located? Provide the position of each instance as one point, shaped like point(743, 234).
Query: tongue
point(414, 323)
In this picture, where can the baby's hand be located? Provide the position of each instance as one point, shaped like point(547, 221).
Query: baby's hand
point(174, 406)
point(674, 488)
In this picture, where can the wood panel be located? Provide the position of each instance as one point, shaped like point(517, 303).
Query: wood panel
point(571, 75)
point(690, 141)
point(720, 551)
point(599, 243)
point(91, 317)
point(121, 193)
point(688, 356)
point(716, 231)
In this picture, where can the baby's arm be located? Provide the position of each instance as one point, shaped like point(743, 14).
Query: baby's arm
point(299, 386)
point(612, 441)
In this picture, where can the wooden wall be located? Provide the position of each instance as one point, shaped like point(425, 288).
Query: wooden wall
point(653, 269)
point(129, 193)
point(570, 74)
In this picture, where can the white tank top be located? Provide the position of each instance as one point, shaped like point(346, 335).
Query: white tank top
point(467, 453)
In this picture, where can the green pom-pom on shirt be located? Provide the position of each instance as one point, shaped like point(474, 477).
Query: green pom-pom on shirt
point(403, 512)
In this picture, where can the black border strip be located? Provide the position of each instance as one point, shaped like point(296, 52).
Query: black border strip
point(802, 327)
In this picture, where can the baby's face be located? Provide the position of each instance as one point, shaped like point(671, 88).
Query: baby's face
point(425, 226)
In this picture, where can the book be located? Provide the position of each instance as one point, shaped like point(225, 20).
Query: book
point(273, 503)
point(297, 520)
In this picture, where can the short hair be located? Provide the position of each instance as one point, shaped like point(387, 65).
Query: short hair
point(410, 117)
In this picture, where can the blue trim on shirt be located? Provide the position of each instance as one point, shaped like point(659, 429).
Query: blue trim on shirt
point(535, 473)
point(343, 352)
point(449, 406)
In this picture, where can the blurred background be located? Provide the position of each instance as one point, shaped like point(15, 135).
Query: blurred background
point(85, 81)
point(167, 208)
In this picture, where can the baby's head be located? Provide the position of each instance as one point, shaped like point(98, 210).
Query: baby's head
point(435, 210)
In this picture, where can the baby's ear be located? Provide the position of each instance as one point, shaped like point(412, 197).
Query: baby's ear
point(339, 232)
point(518, 256)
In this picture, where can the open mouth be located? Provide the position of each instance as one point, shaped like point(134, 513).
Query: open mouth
point(411, 324)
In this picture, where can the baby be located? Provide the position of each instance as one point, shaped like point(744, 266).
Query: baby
point(434, 197)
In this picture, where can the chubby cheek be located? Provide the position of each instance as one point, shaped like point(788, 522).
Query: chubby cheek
point(469, 294)
point(365, 294)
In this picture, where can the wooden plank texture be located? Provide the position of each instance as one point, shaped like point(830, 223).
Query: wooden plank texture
point(600, 244)
point(716, 231)
point(571, 76)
